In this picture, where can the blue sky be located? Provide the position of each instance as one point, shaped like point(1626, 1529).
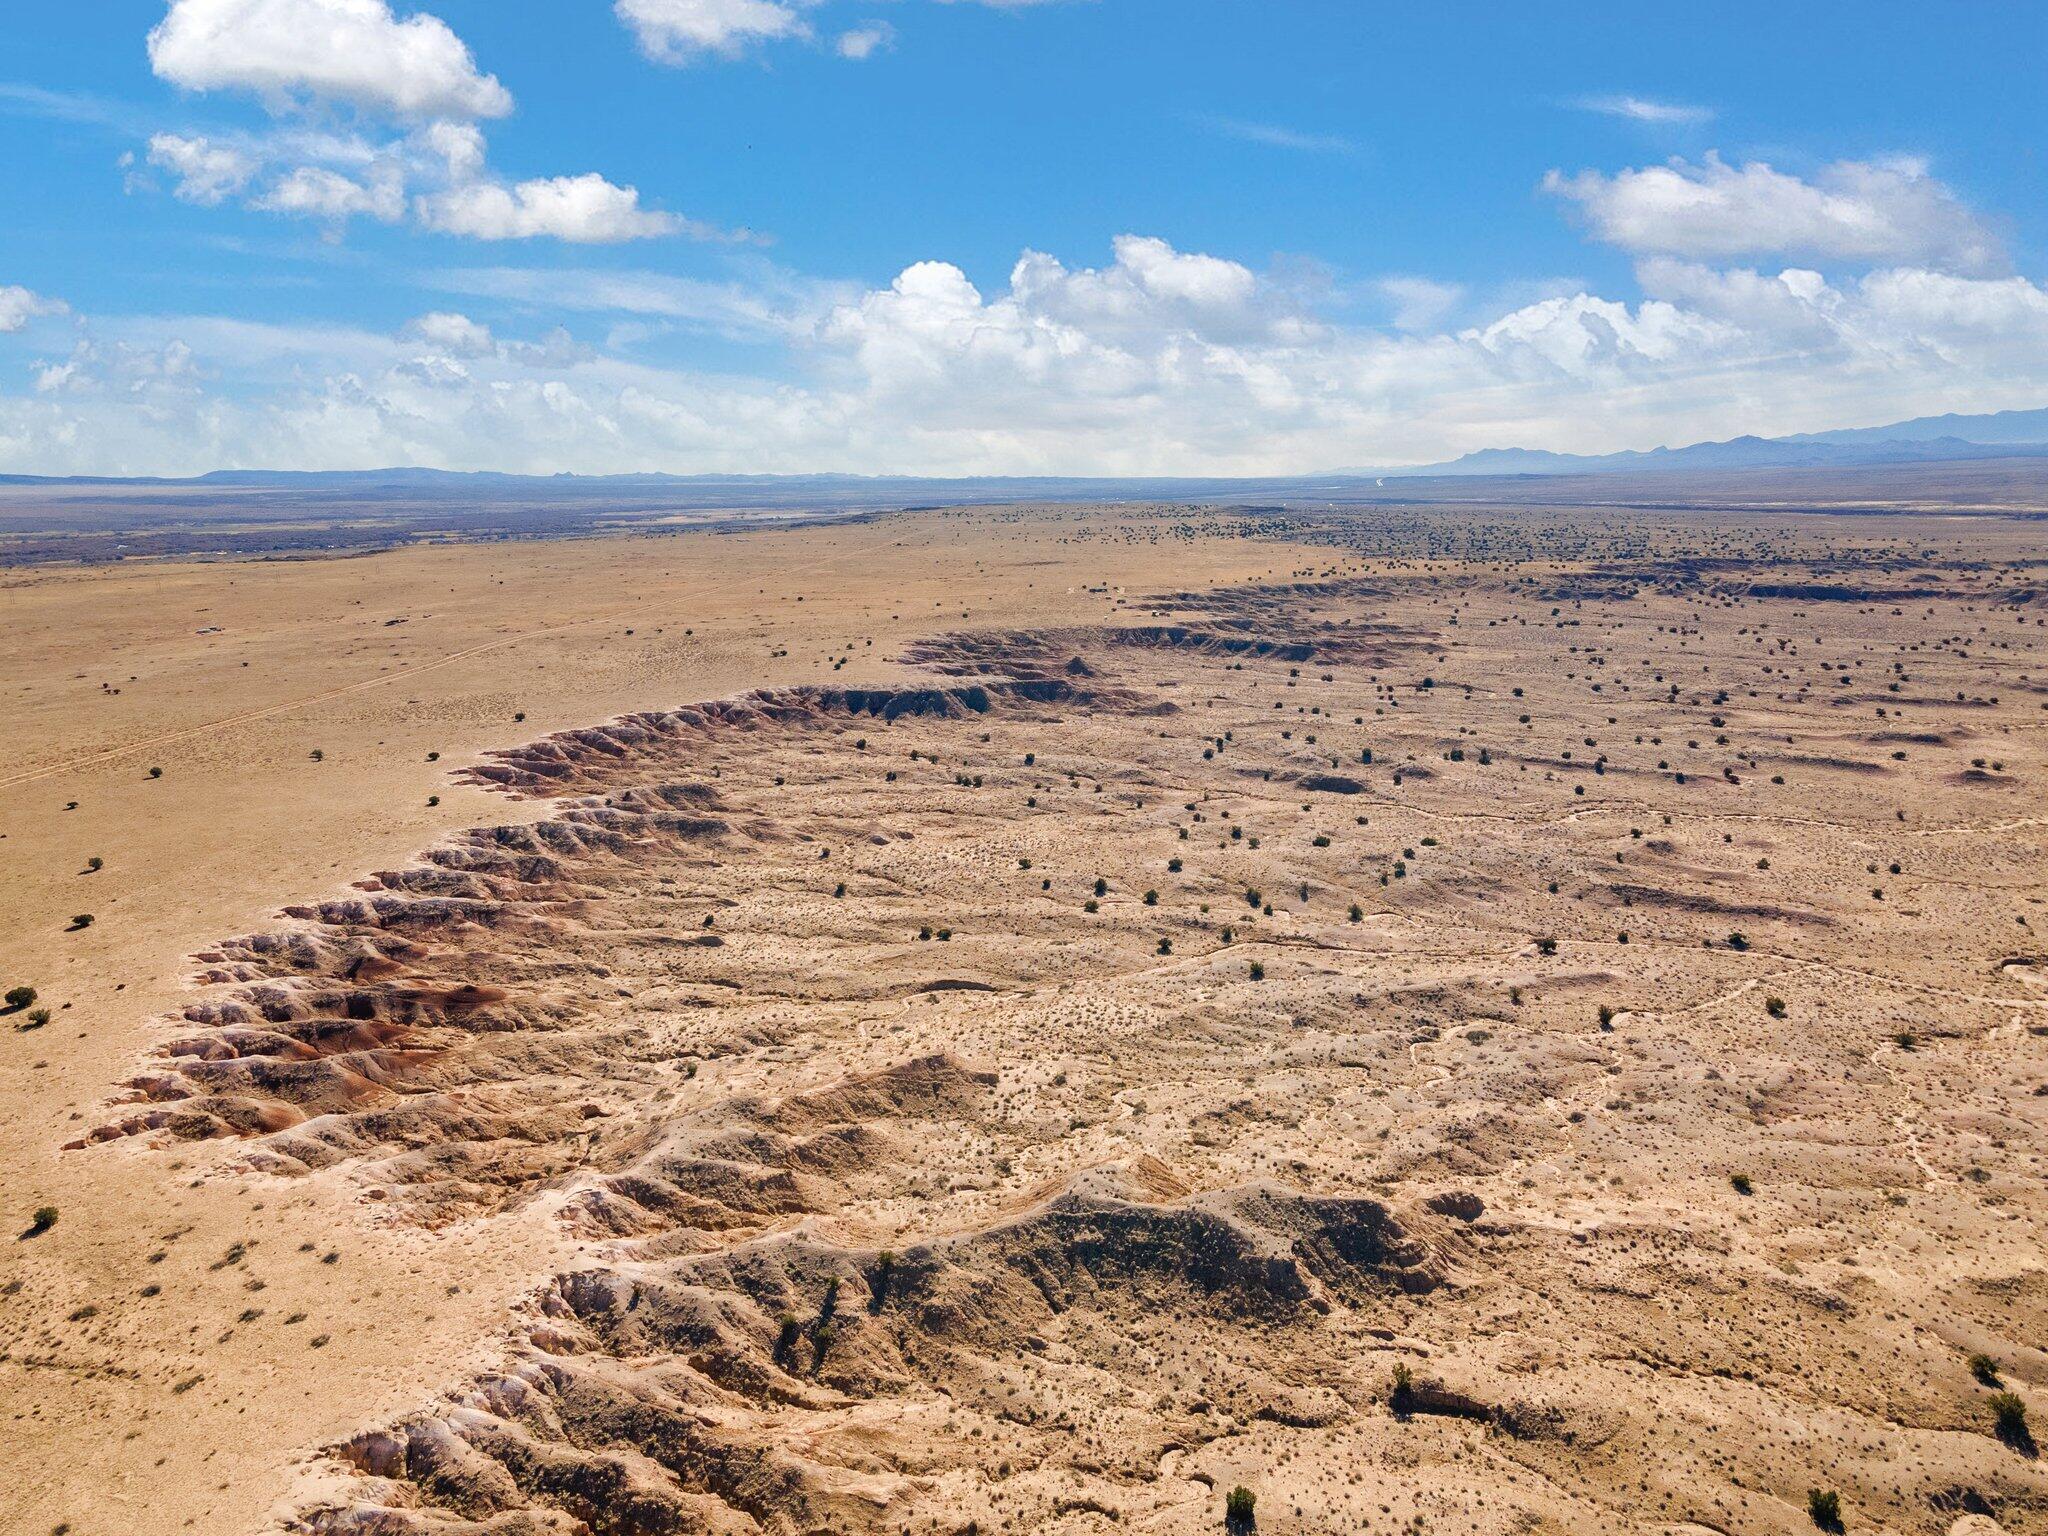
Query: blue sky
point(1076, 235)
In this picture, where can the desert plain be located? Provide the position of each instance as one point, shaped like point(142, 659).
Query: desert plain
point(1027, 1019)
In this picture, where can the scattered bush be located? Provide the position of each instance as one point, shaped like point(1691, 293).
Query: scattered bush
point(1740, 1183)
point(44, 1219)
point(1237, 1509)
point(1402, 1395)
point(1985, 1369)
point(19, 998)
point(1775, 1007)
point(1826, 1508)
point(2009, 1421)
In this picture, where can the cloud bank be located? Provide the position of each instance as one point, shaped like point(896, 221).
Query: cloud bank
point(1158, 361)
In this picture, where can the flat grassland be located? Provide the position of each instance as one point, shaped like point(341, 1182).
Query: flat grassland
point(1493, 1019)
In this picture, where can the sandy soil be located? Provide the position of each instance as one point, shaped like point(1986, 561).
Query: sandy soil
point(1028, 1020)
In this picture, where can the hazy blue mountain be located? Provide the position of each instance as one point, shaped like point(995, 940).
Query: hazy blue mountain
point(1997, 427)
point(2002, 434)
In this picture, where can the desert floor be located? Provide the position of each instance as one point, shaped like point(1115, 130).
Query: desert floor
point(1473, 1020)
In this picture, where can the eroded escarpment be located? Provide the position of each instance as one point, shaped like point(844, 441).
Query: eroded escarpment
point(1226, 635)
point(1011, 1101)
point(589, 757)
point(993, 1375)
point(506, 1011)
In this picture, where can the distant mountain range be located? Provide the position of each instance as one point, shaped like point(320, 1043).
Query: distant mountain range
point(2000, 435)
point(1925, 439)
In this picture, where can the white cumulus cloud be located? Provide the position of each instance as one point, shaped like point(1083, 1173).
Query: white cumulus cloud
point(437, 171)
point(585, 209)
point(208, 172)
point(453, 333)
point(314, 191)
point(682, 31)
point(865, 40)
point(355, 51)
point(1869, 212)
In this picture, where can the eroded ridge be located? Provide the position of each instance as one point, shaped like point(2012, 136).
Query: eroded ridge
point(1037, 653)
point(1450, 1078)
point(460, 1028)
point(795, 1384)
point(590, 756)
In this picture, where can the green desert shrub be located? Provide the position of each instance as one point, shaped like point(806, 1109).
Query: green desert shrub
point(1238, 1506)
point(2009, 1421)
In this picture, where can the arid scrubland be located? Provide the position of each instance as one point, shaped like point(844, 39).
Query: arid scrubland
point(1491, 1020)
